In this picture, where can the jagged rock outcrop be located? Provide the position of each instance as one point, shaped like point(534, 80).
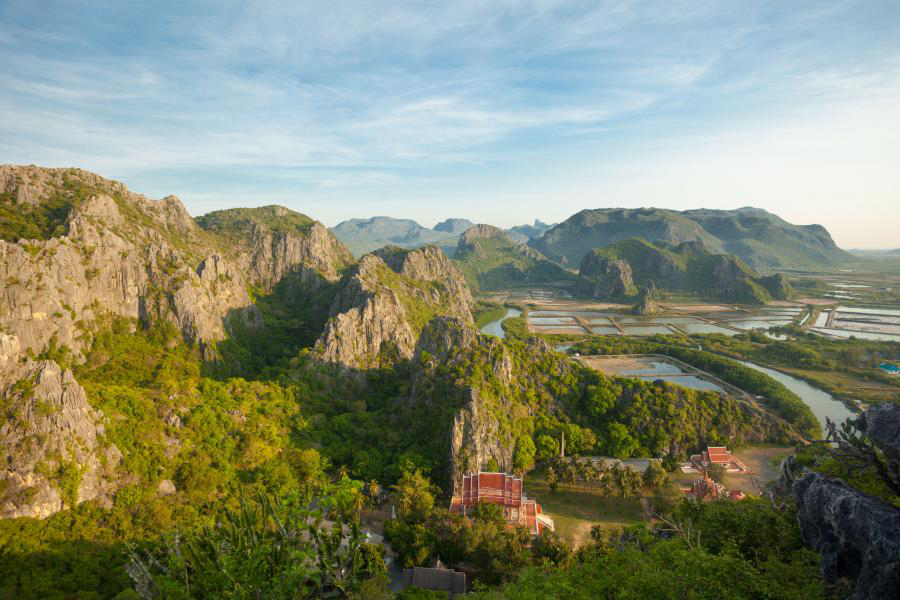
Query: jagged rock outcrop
point(75, 247)
point(51, 438)
point(881, 422)
point(606, 278)
point(857, 535)
point(483, 422)
point(99, 248)
point(647, 303)
point(385, 302)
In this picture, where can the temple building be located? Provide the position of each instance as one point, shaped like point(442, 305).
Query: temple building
point(505, 490)
point(719, 455)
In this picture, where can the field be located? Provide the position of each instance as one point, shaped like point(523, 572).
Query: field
point(575, 509)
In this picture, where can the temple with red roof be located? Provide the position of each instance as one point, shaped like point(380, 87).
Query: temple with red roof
point(503, 489)
point(719, 455)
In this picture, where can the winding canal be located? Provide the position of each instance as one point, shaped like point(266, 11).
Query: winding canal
point(495, 327)
point(821, 403)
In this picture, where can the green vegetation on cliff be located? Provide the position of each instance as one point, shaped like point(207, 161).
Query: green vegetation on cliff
point(491, 260)
point(688, 267)
point(756, 236)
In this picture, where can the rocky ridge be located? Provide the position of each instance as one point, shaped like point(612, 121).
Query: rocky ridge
point(618, 270)
point(52, 439)
point(124, 254)
point(385, 302)
point(489, 258)
point(75, 248)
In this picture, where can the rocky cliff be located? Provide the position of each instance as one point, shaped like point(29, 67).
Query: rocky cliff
point(75, 247)
point(484, 417)
point(103, 249)
point(857, 534)
point(385, 302)
point(52, 440)
point(617, 270)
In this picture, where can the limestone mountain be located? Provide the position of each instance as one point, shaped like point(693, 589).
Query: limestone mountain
point(759, 238)
point(453, 226)
point(490, 259)
point(98, 248)
point(523, 233)
point(80, 254)
point(386, 300)
point(365, 235)
point(618, 270)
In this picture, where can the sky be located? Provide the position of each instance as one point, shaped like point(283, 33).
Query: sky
point(499, 112)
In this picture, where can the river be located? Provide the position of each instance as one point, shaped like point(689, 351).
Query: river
point(821, 403)
point(495, 328)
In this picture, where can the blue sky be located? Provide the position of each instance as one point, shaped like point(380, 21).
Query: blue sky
point(496, 111)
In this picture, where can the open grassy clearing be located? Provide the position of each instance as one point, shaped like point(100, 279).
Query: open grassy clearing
point(575, 509)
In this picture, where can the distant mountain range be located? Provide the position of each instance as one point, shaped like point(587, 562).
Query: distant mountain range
point(365, 235)
point(490, 259)
point(761, 239)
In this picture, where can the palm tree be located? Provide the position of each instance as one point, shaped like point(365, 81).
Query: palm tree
point(374, 491)
point(552, 478)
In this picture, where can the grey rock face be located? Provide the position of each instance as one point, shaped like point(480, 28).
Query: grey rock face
point(381, 308)
point(49, 424)
point(113, 252)
point(882, 425)
point(134, 264)
point(124, 254)
point(165, 488)
point(476, 432)
point(858, 536)
point(606, 278)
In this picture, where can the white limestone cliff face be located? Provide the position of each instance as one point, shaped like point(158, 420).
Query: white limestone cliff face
point(48, 426)
point(381, 308)
point(113, 252)
point(480, 428)
point(150, 262)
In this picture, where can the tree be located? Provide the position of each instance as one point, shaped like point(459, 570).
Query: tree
point(654, 474)
point(261, 550)
point(666, 498)
point(374, 492)
point(523, 455)
point(552, 478)
point(716, 473)
point(415, 497)
point(546, 448)
point(550, 548)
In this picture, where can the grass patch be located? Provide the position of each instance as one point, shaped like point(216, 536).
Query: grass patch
point(575, 509)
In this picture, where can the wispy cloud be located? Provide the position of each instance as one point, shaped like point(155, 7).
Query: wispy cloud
point(384, 99)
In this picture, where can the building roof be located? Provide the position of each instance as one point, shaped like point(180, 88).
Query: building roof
point(889, 367)
point(718, 454)
point(445, 580)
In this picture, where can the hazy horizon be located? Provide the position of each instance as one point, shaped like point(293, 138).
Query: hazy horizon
point(497, 112)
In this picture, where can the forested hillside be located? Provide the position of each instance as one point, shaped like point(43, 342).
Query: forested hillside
point(761, 239)
point(168, 380)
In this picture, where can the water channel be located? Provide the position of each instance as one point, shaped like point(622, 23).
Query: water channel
point(495, 327)
point(821, 403)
